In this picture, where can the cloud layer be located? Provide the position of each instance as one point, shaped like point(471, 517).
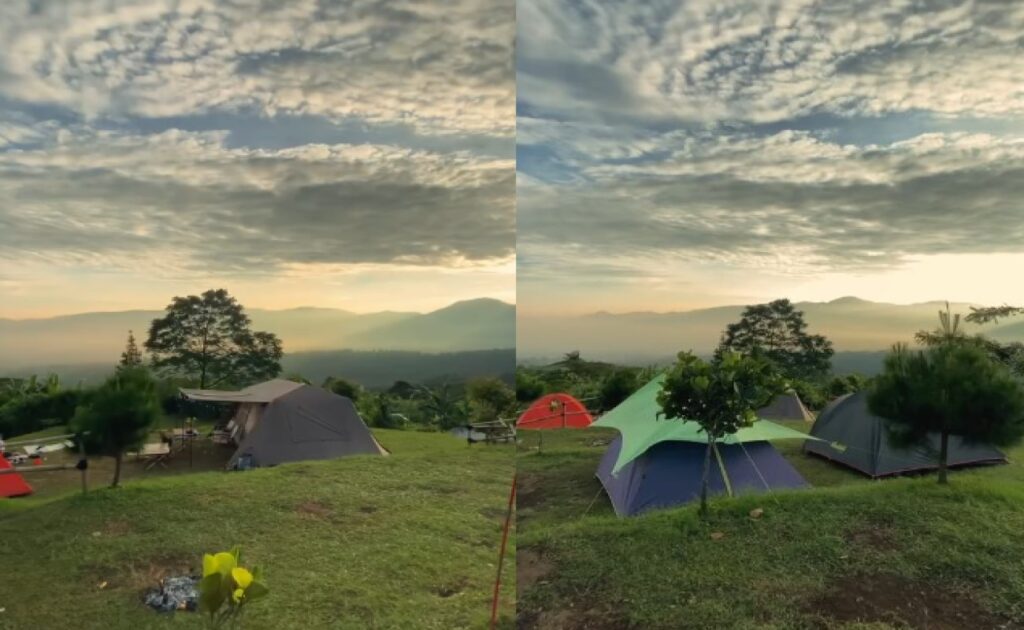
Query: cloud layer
point(786, 138)
point(444, 68)
point(107, 196)
point(250, 138)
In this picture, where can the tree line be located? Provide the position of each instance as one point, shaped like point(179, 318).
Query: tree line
point(206, 342)
point(953, 384)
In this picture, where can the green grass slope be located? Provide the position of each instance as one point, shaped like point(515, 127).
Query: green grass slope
point(849, 553)
point(405, 541)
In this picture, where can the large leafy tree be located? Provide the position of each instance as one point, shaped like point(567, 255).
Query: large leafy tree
point(948, 389)
point(118, 415)
point(210, 338)
point(722, 396)
point(777, 331)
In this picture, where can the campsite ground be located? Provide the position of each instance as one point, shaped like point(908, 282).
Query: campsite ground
point(405, 541)
point(849, 553)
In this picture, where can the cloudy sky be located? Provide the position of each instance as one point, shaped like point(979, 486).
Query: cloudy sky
point(674, 155)
point(351, 153)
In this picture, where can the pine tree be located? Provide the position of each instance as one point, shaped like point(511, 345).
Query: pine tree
point(131, 357)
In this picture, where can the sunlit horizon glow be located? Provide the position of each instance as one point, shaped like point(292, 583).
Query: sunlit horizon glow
point(962, 278)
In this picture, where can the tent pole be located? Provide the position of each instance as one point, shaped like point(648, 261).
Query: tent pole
point(501, 556)
point(721, 467)
point(756, 469)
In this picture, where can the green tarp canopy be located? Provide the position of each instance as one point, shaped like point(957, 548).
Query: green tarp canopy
point(637, 419)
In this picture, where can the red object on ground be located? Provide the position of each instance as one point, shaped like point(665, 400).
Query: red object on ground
point(555, 411)
point(12, 484)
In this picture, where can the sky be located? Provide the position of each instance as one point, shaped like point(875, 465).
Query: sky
point(679, 155)
point(357, 154)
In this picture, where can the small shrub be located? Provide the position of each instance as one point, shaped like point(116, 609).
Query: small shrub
point(227, 588)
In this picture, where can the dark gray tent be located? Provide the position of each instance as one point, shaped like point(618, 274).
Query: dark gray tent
point(786, 406)
point(281, 421)
point(854, 437)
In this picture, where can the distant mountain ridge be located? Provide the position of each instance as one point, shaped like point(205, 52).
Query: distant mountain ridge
point(853, 324)
point(373, 369)
point(480, 324)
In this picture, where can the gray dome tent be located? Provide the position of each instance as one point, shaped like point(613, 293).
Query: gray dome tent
point(281, 421)
point(787, 406)
point(851, 435)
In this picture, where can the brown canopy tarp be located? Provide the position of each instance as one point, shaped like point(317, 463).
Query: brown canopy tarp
point(259, 393)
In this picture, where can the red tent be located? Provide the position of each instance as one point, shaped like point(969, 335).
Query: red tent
point(555, 411)
point(12, 484)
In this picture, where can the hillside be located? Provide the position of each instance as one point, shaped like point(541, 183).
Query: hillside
point(846, 553)
point(99, 337)
point(469, 325)
point(371, 369)
point(405, 541)
point(381, 369)
point(853, 324)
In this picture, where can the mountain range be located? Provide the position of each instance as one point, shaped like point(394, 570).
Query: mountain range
point(93, 338)
point(854, 326)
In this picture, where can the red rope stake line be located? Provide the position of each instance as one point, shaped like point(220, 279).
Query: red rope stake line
point(501, 556)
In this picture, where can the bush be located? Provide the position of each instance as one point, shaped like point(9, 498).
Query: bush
point(343, 387)
point(118, 415)
point(37, 411)
point(619, 386)
point(528, 386)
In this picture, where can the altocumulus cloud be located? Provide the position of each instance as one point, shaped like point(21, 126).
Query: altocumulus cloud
point(446, 67)
point(131, 133)
point(798, 136)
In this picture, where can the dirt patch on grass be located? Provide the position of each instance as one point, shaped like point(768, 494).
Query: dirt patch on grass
point(531, 567)
point(116, 527)
point(883, 598)
point(572, 619)
point(877, 537)
point(450, 589)
point(313, 510)
point(528, 492)
point(494, 513)
point(140, 573)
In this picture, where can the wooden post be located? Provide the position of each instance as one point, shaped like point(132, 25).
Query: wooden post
point(84, 462)
point(501, 554)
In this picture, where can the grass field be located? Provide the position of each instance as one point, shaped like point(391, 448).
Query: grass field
point(849, 553)
point(405, 541)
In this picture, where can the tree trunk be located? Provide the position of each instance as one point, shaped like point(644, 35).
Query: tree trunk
point(704, 479)
point(117, 469)
point(943, 455)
